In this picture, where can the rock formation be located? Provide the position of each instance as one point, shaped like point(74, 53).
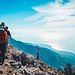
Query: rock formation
point(19, 63)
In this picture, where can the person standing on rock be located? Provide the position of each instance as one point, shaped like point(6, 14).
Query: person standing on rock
point(4, 33)
point(37, 53)
point(8, 34)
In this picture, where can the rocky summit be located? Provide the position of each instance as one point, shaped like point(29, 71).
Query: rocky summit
point(19, 63)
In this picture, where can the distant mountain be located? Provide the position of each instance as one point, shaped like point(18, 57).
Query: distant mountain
point(48, 55)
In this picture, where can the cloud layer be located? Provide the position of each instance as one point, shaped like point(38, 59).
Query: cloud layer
point(55, 22)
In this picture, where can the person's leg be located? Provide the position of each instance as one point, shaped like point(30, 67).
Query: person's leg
point(4, 51)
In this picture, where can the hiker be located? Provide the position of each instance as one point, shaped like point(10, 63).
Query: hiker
point(3, 33)
point(37, 53)
point(8, 32)
point(3, 41)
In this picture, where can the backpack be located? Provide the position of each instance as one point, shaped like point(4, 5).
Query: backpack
point(3, 36)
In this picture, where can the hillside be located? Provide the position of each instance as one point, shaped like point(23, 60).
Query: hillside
point(48, 55)
point(20, 63)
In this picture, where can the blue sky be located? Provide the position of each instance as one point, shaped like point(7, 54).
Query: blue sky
point(49, 22)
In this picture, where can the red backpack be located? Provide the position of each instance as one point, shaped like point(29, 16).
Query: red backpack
point(3, 36)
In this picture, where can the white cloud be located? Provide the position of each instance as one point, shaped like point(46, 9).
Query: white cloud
point(56, 14)
point(34, 17)
point(18, 20)
point(57, 46)
point(60, 1)
point(55, 20)
point(48, 36)
point(37, 35)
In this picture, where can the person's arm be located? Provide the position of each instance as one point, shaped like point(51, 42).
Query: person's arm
point(9, 33)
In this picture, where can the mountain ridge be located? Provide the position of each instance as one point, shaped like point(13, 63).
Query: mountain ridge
point(48, 56)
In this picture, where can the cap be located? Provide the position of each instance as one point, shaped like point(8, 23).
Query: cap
point(3, 23)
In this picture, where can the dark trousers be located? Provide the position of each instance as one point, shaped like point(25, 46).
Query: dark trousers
point(2, 52)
